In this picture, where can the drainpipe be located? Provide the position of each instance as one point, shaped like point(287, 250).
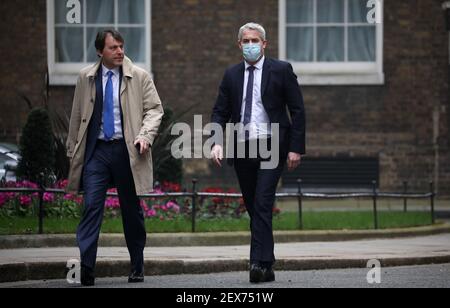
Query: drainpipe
point(436, 113)
point(446, 8)
point(436, 121)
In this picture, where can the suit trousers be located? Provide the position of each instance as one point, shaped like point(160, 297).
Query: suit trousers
point(259, 188)
point(110, 163)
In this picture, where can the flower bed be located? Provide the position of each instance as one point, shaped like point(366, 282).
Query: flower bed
point(164, 208)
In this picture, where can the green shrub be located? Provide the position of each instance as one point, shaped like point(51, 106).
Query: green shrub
point(37, 149)
point(166, 167)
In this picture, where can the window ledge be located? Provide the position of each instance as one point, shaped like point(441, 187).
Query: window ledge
point(340, 79)
point(69, 79)
point(63, 79)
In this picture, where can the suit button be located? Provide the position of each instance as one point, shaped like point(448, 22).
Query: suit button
point(84, 120)
point(92, 100)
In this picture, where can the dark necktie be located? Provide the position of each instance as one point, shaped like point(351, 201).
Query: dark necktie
point(108, 109)
point(249, 95)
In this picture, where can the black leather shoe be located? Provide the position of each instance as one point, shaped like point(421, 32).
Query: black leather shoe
point(136, 277)
point(87, 277)
point(260, 274)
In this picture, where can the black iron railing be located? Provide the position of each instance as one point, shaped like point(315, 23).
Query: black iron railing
point(300, 196)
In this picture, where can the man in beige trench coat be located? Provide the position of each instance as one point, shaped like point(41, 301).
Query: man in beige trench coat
point(115, 118)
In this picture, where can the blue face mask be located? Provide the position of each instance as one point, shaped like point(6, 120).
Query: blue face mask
point(252, 52)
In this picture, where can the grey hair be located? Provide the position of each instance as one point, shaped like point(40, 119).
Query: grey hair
point(252, 26)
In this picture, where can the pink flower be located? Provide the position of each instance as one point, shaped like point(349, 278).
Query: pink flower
point(144, 206)
point(62, 184)
point(151, 213)
point(78, 200)
point(3, 199)
point(158, 191)
point(68, 197)
point(25, 200)
point(112, 203)
point(112, 191)
point(49, 197)
point(164, 208)
point(171, 187)
point(176, 208)
point(26, 184)
point(161, 217)
point(171, 204)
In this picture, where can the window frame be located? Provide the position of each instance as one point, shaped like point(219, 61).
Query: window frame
point(66, 74)
point(335, 73)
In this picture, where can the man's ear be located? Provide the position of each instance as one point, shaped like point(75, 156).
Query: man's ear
point(265, 44)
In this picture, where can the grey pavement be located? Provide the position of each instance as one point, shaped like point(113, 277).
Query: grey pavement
point(222, 238)
point(49, 263)
point(427, 276)
point(428, 246)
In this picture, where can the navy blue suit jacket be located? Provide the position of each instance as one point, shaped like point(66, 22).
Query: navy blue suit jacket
point(280, 92)
point(96, 121)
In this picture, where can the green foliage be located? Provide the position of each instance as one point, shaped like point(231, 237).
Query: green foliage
point(166, 168)
point(37, 149)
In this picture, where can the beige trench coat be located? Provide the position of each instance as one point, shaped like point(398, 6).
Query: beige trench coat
point(142, 115)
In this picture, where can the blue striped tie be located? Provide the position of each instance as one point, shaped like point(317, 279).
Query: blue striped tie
point(108, 109)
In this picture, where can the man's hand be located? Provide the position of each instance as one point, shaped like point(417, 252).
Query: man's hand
point(294, 160)
point(142, 146)
point(217, 154)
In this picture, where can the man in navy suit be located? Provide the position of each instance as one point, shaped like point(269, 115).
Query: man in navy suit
point(258, 93)
point(115, 119)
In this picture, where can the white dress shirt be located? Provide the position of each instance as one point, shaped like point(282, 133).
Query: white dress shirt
point(118, 134)
point(260, 127)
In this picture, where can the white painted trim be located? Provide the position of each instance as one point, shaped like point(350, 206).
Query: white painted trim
point(51, 37)
point(339, 73)
point(347, 68)
point(148, 60)
point(341, 79)
point(446, 5)
point(282, 29)
point(66, 74)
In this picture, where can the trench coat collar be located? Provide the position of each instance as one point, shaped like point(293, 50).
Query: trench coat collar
point(126, 68)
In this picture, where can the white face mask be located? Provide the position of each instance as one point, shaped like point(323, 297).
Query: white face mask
point(252, 52)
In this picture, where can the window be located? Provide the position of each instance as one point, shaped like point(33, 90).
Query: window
point(331, 41)
point(71, 45)
point(334, 173)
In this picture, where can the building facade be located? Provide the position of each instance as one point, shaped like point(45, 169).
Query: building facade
point(375, 92)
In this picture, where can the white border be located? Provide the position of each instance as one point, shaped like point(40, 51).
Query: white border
point(340, 73)
point(66, 74)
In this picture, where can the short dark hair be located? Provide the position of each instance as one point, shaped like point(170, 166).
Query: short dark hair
point(101, 37)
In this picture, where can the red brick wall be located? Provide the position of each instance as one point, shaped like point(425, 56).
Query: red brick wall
point(23, 61)
point(195, 40)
